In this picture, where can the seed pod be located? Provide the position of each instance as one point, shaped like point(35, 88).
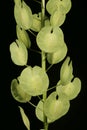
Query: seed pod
point(55, 108)
point(70, 90)
point(32, 80)
point(64, 5)
point(59, 55)
point(17, 2)
point(57, 18)
point(25, 119)
point(39, 111)
point(36, 26)
point(18, 93)
point(49, 39)
point(19, 54)
point(23, 15)
point(23, 36)
point(66, 71)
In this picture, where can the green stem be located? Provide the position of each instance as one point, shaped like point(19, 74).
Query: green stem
point(43, 59)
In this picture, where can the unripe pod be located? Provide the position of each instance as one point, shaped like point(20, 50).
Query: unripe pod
point(57, 18)
point(49, 39)
point(23, 15)
point(17, 92)
point(70, 90)
point(66, 71)
point(17, 2)
point(59, 55)
point(36, 26)
point(19, 54)
point(32, 80)
point(55, 108)
point(64, 5)
point(39, 111)
point(23, 36)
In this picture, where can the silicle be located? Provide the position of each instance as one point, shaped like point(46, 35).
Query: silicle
point(23, 15)
point(58, 56)
point(23, 36)
point(32, 80)
point(49, 39)
point(18, 93)
point(55, 107)
point(19, 53)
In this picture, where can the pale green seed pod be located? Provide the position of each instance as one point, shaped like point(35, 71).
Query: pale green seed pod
point(17, 92)
point(67, 4)
point(70, 90)
point(50, 38)
point(58, 56)
point(55, 107)
point(34, 80)
point(53, 5)
point(36, 26)
point(19, 54)
point(23, 15)
point(17, 2)
point(25, 118)
point(66, 71)
point(39, 111)
point(57, 18)
point(23, 36)
point(47, 22)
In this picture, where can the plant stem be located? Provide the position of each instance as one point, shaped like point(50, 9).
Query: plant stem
point(43, 59)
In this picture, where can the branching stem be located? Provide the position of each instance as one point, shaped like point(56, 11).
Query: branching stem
point(37, 1)
point(43, 60)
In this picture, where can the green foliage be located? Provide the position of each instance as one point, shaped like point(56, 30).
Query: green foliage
point(34, 81)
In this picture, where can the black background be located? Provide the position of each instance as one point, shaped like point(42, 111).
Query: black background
point(75, 32)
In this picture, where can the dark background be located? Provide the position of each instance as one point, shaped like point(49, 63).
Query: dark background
point(75, 32)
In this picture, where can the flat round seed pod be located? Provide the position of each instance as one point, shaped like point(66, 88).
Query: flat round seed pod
point(39, 112)
point(17, 92)
point(17, 2)
point(71, 90)
point(64, 5)
point(23, 36)
point(34, 80)
point(66, 71)
point(19, 54)
point(50, 38)
point(23, 15)
point(55, 107)
point(36, 26)
point(59, 55)
point(57, 18)
point(51, 6)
